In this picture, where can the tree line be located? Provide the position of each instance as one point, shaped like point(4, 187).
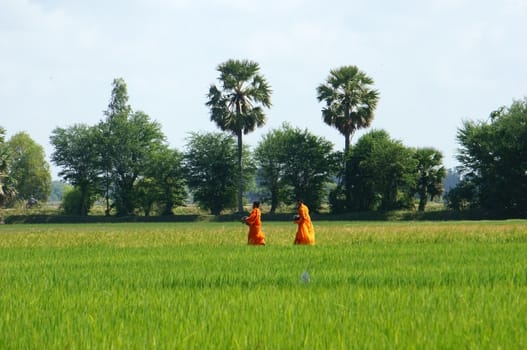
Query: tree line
point(493, 158)
point(125, 162)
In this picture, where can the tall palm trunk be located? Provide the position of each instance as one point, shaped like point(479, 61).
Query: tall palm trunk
point(347, 139)
point(240, 174)
point(347, 166)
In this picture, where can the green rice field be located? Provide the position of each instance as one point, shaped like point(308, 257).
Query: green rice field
point(365, 285)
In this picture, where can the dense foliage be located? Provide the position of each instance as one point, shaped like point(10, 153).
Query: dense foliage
point(430, 175)
point(29, 167)
point(493, 157)
point(294, 163)
point(123, 158)
point(7, 183)
point(210, 164)
point(77, 153)
point(129, 141)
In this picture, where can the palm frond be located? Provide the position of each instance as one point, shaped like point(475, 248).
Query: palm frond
point(350, 101)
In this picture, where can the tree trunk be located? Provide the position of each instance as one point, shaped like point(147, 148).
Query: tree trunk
point(240, 174)
point(422, 202)
point(84, 200)
point(107, 194)
point(274, 200)
point(347, 180)
point(347, 140)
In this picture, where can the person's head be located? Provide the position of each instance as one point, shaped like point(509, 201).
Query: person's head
point(256, 204)
point(299, 201)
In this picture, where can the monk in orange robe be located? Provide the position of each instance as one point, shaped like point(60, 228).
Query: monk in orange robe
point(255, 236)
point(306, 232)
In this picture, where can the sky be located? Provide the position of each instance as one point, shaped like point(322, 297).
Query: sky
point(435, 63)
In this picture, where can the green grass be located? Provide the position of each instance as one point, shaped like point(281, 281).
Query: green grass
point(198, 286)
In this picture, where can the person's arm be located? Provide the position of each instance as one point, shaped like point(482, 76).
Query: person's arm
point(251, 219)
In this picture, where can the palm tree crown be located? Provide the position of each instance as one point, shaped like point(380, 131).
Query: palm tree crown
point(350, 101)
point(237, 105)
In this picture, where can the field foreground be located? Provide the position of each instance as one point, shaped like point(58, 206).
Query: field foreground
point(198, 286)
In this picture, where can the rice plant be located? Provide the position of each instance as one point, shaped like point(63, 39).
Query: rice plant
point(199, 286)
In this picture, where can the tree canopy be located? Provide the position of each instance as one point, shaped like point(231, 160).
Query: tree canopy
point(430, 174)
point(350, 101)
point(295, 163)
point(128, 140)
point(7, 183)
point(76, 151)
point(493, 157)
point(29, 167)
point(210, 163)
point(383, 173)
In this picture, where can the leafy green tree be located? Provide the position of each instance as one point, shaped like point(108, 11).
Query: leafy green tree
point(111, 157)
point(73, 202)
point(295, 163)
point(164, 182)
point(138, 136)
point(170, 175)
point(362, 181)
point(237, 106)
point(118, 108)
point(462, 196)
point(271, 156)
point(129, 139)
point(350, 105)
point(210, 163)
point(430, 175)
point(309, 165)
point(7, 183)
point(392, 168)
point(383, 173)
point(493, 157)
point(29, 167)
point(147, 194)
point(77, 153)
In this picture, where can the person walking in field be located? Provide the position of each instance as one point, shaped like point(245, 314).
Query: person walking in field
point(306, 232)
point(255, 236)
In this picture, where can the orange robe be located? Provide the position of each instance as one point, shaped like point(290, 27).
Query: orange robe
point(306, 232)
point(255, 236)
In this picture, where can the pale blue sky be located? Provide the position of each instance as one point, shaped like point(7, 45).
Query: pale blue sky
point(435, 62)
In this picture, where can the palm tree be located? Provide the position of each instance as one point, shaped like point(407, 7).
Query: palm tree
point(237, 106)
point(430, 174)
point(350, 101)
point(350, 105)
